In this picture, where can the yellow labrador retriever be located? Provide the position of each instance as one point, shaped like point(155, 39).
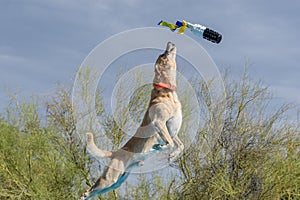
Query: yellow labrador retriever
point(158, 131)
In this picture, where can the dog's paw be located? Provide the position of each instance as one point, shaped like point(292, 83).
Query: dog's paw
point(173, 156)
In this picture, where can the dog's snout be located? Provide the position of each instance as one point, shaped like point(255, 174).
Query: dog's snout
point(170, 51)
point(170, 47)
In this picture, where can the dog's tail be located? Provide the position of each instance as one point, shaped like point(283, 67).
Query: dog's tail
point(94, 150)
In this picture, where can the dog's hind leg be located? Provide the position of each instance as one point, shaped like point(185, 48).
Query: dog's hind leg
point(123, 176)
point(108, 178)
point(104, 183)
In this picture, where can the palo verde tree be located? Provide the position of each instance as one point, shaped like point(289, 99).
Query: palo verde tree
point(253, 153)
point(254, 156)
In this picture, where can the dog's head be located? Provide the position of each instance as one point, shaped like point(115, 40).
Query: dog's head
point(167, 59)
point(165, 66)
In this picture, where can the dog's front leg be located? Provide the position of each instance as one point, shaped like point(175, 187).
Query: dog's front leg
point(159, 115)
point(178, 149)
point(164, 133)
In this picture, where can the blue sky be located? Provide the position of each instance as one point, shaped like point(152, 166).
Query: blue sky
point(43, 42)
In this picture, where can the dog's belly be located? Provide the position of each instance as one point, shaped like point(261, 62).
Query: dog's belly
point(143, 140)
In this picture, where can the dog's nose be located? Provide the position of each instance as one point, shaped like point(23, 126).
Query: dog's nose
point(170, 47)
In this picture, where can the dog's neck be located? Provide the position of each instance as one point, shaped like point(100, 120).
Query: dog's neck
point(165, 79)
point(164, 86)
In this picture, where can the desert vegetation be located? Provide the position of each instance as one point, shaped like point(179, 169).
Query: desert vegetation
point(252, 153)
